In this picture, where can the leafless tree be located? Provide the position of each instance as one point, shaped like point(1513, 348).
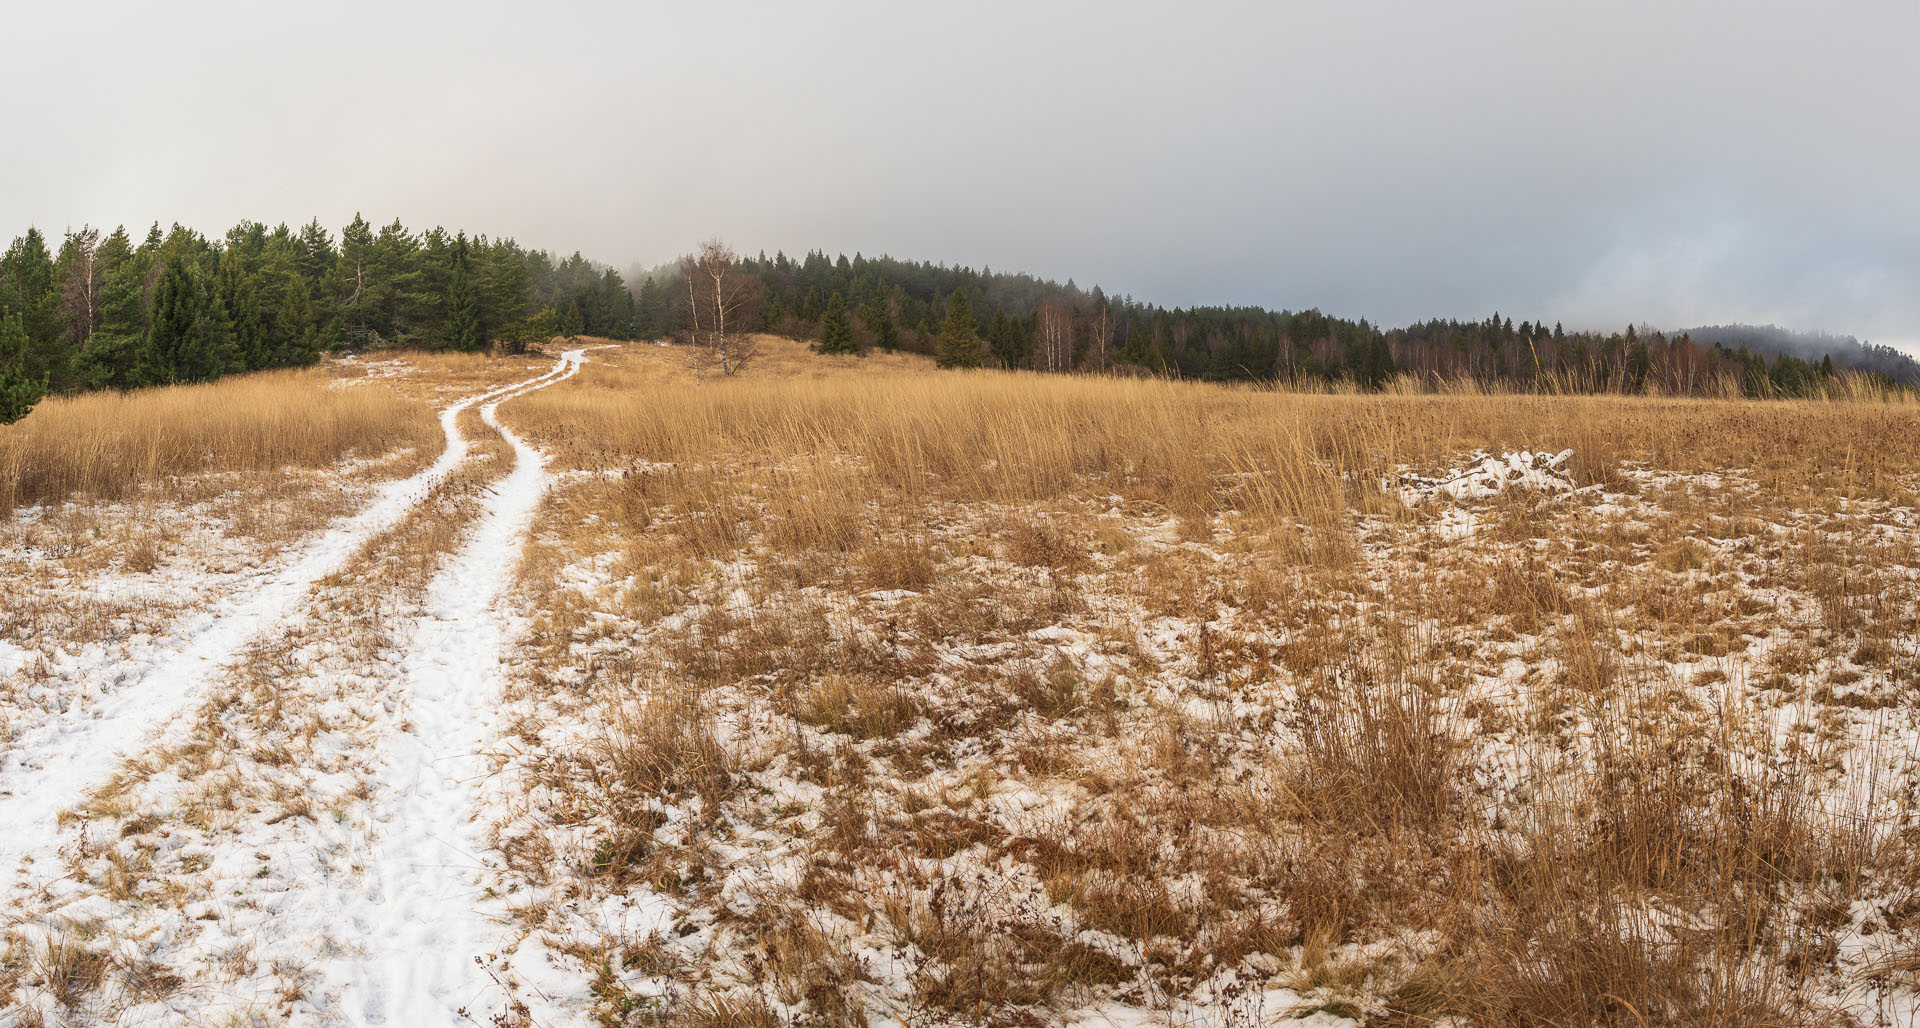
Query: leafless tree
point(1101, 352)
point(1054, 336)
point(717, 292)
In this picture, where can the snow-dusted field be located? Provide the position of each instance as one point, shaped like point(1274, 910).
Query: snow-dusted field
point(408, 926)
point(650, 702)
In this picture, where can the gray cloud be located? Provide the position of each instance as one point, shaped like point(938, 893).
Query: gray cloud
point(1675, 162)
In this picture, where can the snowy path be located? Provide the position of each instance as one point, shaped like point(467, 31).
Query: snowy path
point(416, 917)
point(58, 763)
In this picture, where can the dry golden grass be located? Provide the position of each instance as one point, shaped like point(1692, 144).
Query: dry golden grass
point(1162, 667)
point(435, 377)
point(106, 445)
point(864, 424)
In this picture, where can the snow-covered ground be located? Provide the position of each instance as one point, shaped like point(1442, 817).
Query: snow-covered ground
point(505, 746)
point(160, 698)
point(423, 909)
point(54, 767)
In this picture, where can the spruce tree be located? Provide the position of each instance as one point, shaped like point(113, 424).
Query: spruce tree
point(18, 393)
point(877, 315)
point(930, 319)
point(1007, 339)
point(959, 343)
point(173, 349)
point(108, 359)
point(234, 288)
point(300, 337)
point(27, 292)
point(1376, 368)
point(836, 330)
point(463, 304)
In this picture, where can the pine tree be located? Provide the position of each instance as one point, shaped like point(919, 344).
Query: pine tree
point(959, 343)
point(316, 255)
point(505, 285)
point(352, 275)
point(836, 331)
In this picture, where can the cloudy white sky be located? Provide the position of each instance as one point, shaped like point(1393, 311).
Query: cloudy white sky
point(1675, 162)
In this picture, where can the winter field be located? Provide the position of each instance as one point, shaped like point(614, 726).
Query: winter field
point(571, 690)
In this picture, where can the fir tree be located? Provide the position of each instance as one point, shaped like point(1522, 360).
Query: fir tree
point(836, 331)
point(959, 343)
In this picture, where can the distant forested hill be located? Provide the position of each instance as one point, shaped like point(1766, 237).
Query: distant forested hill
point(1044, 325)
point(107, 310)
point(1846, 351)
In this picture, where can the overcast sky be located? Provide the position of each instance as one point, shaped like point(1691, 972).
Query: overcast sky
point(1672, 162)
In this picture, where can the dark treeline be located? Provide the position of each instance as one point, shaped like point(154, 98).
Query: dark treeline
point(1027, 322)
point(104, 312)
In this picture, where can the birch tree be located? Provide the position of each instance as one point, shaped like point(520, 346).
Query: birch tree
point(716, 293)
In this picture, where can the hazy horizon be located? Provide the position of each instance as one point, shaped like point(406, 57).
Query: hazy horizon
point(1663, 163)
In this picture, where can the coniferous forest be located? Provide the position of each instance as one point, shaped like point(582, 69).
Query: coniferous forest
point(101, 311)
point(1025, 322)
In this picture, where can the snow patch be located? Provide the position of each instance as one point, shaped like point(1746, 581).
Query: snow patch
point(1487, 475)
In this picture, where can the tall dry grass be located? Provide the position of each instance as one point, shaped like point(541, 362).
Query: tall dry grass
point(1612, 845)
point(1196, 450)
point(106, 445)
